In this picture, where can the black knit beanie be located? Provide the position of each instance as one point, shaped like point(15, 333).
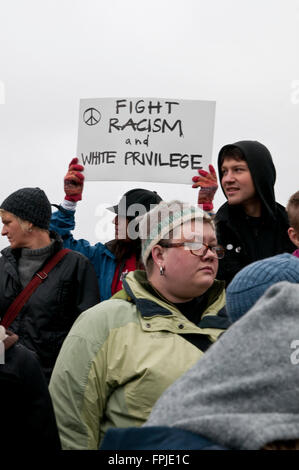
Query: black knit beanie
point(29, 204)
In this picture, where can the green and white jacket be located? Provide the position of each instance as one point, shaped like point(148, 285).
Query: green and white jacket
point(120, 356)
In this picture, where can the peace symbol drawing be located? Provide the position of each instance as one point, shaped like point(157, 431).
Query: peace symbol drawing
point(91, 116)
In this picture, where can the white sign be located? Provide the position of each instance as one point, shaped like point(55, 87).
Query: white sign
point(145, 139)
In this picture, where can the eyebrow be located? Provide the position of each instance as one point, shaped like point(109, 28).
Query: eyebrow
point(213, 240)
point(235, 165)
point(191, 240)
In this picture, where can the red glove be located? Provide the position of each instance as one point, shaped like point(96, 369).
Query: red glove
point(207, 181)
point(73, 181)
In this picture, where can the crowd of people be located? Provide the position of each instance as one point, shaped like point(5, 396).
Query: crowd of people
point(177, 334)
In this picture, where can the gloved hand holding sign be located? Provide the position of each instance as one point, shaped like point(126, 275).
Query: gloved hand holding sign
point(74, 181)
point(207, 182)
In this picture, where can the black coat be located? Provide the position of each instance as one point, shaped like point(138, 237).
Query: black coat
point(248, 239)
point(27, 416)
point(43, 323)
point(245, 243)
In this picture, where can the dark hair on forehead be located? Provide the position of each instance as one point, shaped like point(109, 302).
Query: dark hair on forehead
point(293, 211)
point(233, 152)
point(294, 199)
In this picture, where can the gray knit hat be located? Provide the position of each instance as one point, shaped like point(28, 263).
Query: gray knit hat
point(251, 282)
point(156, 224)
point(29, 204)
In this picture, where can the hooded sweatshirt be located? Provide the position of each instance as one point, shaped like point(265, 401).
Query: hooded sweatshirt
point(246, 238)
point(243, 393)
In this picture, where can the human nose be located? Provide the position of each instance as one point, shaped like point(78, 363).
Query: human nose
point(115, 220)
point(3, 231)
point(228, 177)
point(208, 252)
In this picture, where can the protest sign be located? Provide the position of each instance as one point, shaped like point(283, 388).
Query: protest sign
point(145, 139)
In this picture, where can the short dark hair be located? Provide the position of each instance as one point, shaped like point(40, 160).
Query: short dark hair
point(293, 211)
point(231, 151)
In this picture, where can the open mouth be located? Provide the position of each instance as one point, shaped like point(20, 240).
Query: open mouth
point(230, 191)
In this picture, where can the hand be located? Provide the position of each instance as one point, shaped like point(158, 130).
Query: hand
point(74, 181)
point(207, 181)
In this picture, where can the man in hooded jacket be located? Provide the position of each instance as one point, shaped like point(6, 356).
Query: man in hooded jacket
point(251, 225)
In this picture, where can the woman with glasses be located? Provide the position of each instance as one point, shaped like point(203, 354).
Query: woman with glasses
point(123, 353)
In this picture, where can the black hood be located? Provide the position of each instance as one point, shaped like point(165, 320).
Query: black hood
point(262, 169)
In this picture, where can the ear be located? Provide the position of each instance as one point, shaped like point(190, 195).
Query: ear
point(29, 226)
point(158, 255)
point(293, 236)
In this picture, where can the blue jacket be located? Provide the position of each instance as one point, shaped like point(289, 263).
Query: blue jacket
point(62, 222)
point(156, 438)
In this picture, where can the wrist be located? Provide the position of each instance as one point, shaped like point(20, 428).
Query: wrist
point(69, 205)
point(207, 206)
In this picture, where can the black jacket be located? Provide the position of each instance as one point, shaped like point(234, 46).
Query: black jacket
point(248, 239)
point(43, 323)
point(27, 415)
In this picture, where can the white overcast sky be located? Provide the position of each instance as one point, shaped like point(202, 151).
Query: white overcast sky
point(244, 54)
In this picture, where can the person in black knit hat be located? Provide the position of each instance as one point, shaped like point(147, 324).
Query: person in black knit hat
point(29, 204)
point(66, 291)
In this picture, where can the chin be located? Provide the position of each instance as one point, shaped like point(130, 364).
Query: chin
point(202, 289)
point(205, 285)
point(233, 201)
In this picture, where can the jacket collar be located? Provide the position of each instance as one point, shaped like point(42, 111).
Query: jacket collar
point(232, 215)
point(14, 255)
point(151, 303)
point(11, 256)
point(148, 301)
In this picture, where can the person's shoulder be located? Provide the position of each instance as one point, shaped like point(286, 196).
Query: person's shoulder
point(6, 253)
point(77, 256)
point(106, 320)
point(281, 212)
point(156, 437)
point(117, 311)
point(222, 213)
point(113, 313)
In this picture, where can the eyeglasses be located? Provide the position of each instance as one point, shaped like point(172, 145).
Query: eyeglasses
point(197, 248)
